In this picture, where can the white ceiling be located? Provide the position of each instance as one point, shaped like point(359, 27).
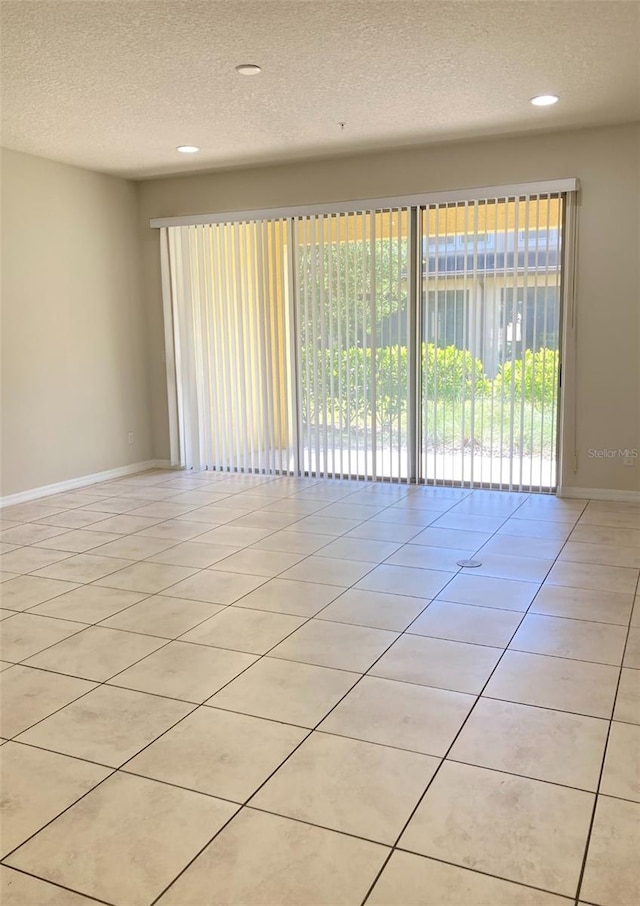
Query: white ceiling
point(115, 86)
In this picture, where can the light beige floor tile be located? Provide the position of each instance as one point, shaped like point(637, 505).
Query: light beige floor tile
point(304, 599)
point(107, 726)
point(260, 858)
point(78, 541)
point(437, 662)
point(29, 533)
point(7, 548)
point(405, 580)
point(519, 829)
point(261, 519)
point(611, 519)
point(326, 525)
point(635, 615)
point(75, 519)
point(163, 617)
point(96, 653)
point(602, 554)
point(522, 546)
point(294, 693)
point(588, 575)
point(30, 512)
point(611, 872)
point(330, 570)
point(553, 682)
point(185, 671)
point(19, 889)
point(124, 524)
point(134, 547)
point(632, 651)
point(534, 742)
point(29, 695)
point(550, 509)
point(337, 645)
point(36, 786)
point(583, 604)
point(176, 530)
point(424, 557)
point(536, 528)
point(509, 566)
point(403, 715)
point(469, 522)
point(375, 609)
point(241, 629)
point(193, 553)
point(26, 634)
point(147, 577)
point(288, 505)
point(621, 775)
point(215, 586)
point(364, 549)
point(88, 603)
point(384, 531)
point(254, 562)
point(417, 518)
point(234, 535)
point(466, 623)
point(292, 542)
point(163, 509)
point(7, 576)
point(126, 840)
point(602, 643)
point(114, 505)
point(352, 510)
point(349, 785)
point(27, 591)
point(4, 613)
point(484, 591)
point(29, 559)
point(83, 568)
point(628, 699)
point(601, 534)
point(415, 881)
point(417, 501)
point(218, 752)
point(216, 514)
point(451, 538)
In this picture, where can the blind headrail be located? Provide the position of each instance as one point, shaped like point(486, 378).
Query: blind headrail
point(546, 187)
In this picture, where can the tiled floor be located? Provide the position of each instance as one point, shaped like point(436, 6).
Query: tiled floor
point(284, 692)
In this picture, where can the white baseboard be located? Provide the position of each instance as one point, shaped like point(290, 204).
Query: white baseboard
point(73, 483)
point(599, 494)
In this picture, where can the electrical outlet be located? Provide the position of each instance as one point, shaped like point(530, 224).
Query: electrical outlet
point(130, 437)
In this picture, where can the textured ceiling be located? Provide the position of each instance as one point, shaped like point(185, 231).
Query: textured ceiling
point(115, 86)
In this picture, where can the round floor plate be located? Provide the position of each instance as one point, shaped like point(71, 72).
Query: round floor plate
point(470, 564)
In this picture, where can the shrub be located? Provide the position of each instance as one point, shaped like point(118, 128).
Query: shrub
point(450, 373)
point(538, 371)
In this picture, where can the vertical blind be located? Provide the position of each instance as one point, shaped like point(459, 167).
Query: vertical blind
point(232, 341)
point(406, 343)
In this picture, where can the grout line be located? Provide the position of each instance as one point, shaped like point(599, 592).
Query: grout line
point(602, 766)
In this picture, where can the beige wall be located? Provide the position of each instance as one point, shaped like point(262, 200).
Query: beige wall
point(74, 343)
point(607, 162)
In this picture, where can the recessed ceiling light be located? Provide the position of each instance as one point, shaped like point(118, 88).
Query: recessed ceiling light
point(544, 100)
point(187, 149)
point(248, 69)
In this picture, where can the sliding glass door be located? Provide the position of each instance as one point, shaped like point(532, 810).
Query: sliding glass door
point(490, 333)
point(352, 335)
point(416, 343)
